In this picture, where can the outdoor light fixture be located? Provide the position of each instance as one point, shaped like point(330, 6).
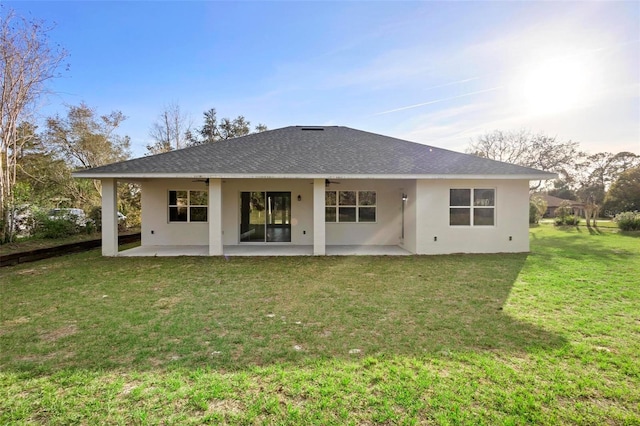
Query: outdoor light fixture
point(299, 197)
point(404, 201)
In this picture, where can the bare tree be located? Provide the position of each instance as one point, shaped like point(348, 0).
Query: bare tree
point(27, 63)
point(170, 130)
point(527, 149)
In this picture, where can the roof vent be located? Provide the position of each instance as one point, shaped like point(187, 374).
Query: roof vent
point(312, 128)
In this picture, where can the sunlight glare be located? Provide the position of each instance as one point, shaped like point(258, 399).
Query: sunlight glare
point(556, 86)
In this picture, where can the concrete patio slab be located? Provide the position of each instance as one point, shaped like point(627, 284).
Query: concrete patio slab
point(262, 250)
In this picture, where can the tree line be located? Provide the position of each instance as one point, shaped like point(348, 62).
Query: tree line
point(43, 160)
point(36, 163)
point(608, 181)
point(173, 129)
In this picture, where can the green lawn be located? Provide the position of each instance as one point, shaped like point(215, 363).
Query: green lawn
point(542, 338)
point(28, 244)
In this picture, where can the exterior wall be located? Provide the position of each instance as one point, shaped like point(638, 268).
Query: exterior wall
point(319, 215)
point(109, 217)
point(388, 226)
point(156, 229)
point(511, 219)
point(301, 211)
point(410, 229)
point(426, 215)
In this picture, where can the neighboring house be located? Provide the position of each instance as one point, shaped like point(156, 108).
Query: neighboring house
point(554, 202)
point(320, 190)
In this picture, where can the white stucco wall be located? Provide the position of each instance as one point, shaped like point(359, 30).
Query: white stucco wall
point(426, 215)
point(156, 229)
point(387, 228)
point(409, 242)
point(511, 220)
point(301, 211)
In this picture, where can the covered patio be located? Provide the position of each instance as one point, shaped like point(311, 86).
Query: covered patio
point(263, 250)
point(316, 191)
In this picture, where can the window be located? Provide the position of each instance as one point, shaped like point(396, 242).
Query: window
point(188, 206)
point(472, 207)
point(350, 206)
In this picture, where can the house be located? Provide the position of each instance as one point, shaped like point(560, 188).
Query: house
point(320, 190)
point(553, 203)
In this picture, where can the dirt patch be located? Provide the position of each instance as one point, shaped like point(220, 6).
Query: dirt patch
point(165, 304)
point(58, 356)
point(129, 387)
point(59, 333)
point(9, 324)
point(17, 321)
point(226, 406)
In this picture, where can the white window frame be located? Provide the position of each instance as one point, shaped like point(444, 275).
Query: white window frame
point(356, 206)
point(188, 206)
point(472, 207)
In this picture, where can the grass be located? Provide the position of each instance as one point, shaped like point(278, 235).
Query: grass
point(600, 224)
point(28, 244)
point(34, 243)
point(542, 338)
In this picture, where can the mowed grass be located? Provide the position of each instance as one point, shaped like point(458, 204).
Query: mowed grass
point(549, 337)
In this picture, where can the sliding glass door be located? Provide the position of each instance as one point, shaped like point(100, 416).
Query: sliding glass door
point(265, 217)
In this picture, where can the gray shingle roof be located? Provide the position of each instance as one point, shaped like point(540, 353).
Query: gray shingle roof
point(312, 151)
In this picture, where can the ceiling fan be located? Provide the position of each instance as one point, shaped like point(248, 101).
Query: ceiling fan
point(206, 181)
point(328, 182)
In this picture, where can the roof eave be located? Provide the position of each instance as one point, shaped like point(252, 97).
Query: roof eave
point(526, 176)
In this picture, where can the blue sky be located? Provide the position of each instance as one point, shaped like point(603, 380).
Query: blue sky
point(433, 72)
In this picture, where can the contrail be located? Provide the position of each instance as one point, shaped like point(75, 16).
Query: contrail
point(466, 80)
point(439, 100)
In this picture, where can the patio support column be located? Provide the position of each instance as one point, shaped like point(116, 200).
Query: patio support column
point(109, 217)
point(319, 237)
point(215, 217)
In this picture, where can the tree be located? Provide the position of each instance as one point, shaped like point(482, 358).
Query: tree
point(171, 130)
point(85, 140)
point(27, 63)
point(624, 194)
point(37, 169)
point(213, 130)
point(596, 173)
point(562, 189)
point(209, 130)
point(524, 148)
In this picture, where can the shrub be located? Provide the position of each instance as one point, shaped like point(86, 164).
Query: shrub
point(91, 227)
point(569, 220)
point(564, 209)
point(59, 227)
point(96, 217)
point(564, 215)
point(534, 217)
point(628, 221)
point(537, 208)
